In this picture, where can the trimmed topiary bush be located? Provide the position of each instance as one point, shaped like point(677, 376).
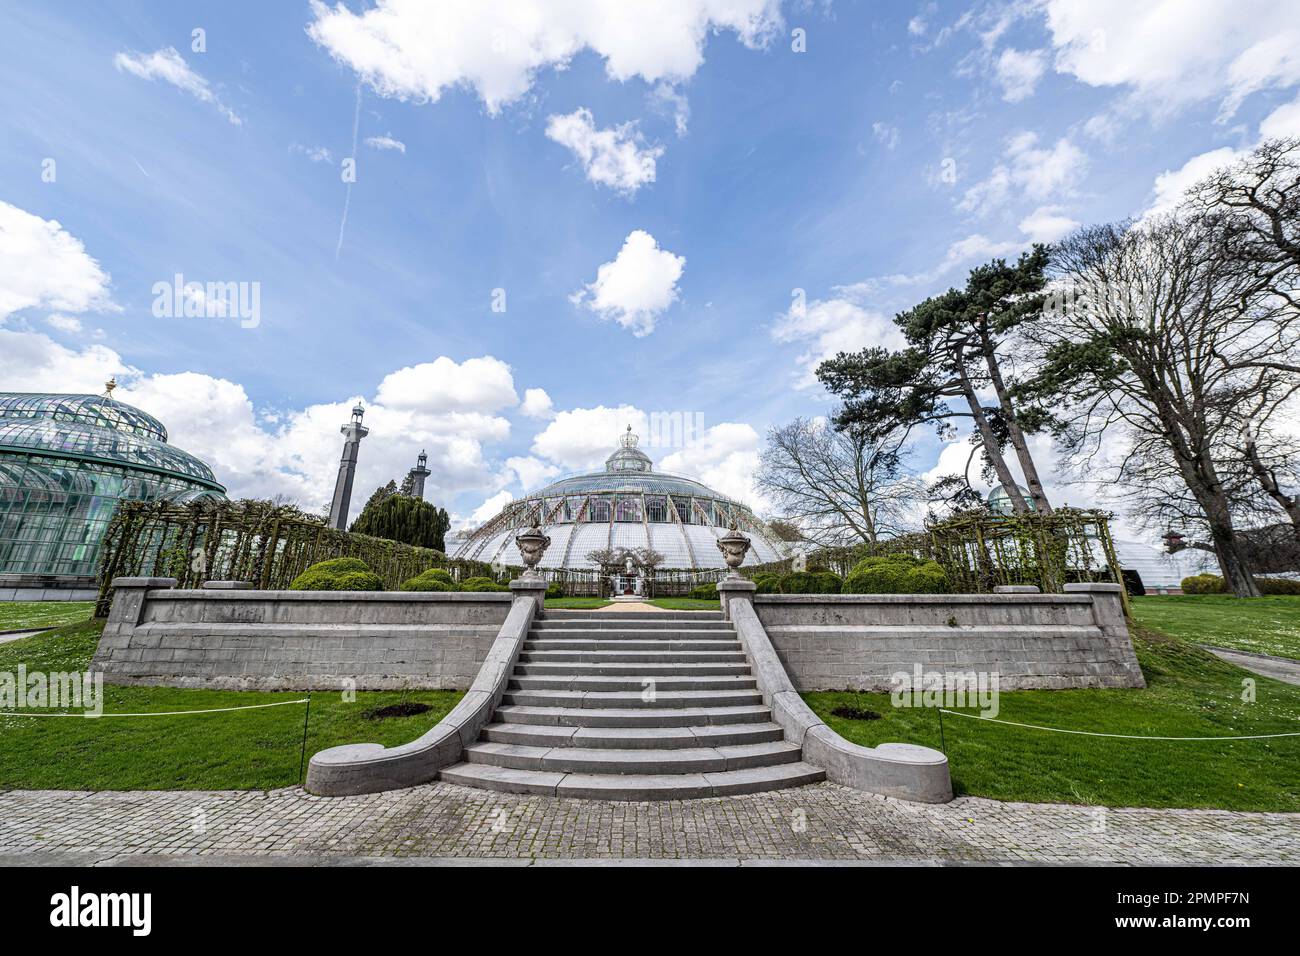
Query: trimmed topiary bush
point(482, 584)
point(1203, 584)
point(435, 579)
point(704, 592)
point(768, 583)
point(338, 574)
point(555, 589)
point(897, 574)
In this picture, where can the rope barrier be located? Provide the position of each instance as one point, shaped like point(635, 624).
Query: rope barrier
point(160, 713)
point(1090, 733)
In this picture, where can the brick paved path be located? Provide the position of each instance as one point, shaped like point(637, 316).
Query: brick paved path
point(823, 821)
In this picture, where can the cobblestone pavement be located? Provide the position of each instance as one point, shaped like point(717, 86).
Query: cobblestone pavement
point(821, 822)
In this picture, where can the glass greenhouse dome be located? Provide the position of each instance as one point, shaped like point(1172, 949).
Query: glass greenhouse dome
point(65, 463)
point(627, 505)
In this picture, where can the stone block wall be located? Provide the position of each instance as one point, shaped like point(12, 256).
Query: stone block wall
point(296, 640)
point(1072, 640)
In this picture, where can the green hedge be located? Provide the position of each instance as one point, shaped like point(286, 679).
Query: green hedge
point(1213, 584)
point(811, 582)
point(704, 592)
point(338, 574)
point(768, 583)
point(897, 574)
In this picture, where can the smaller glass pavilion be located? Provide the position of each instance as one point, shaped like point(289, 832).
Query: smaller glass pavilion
point(65, 463)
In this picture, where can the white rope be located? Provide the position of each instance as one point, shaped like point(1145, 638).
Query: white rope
point(1089, 733)
point(159, 713)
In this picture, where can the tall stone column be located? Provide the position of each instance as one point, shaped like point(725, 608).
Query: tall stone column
point(418, 474)
point(352, 432)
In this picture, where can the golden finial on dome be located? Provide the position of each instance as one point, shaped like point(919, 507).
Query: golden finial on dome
point(109, 386)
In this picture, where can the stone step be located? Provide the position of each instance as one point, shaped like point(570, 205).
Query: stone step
point(603, 700)
point(633, 716)
point(669, 642)
point(633, 738)
point(621, 622)
point(638, 760)
point(633, 657)
point(614, 682)
point(586, 668)
point(632, 786)
point(577, 614)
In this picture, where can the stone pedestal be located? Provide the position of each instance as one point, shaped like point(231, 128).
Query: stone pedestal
point(530, 587)
point(735, 589)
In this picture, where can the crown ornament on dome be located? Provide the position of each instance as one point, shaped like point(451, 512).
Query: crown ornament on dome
point(629, 439)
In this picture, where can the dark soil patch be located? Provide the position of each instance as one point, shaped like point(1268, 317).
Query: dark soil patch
point(854, 713)
point(408, 709)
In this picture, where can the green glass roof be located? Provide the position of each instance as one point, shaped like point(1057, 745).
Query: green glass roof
point(94, 428)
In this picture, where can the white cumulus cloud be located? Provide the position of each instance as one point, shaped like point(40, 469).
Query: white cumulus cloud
point(827, 327)
point(615, 157)
point(1028, 170)
point(476, 385)
point(413, 49)
point(536, 403)
point(637, 286)
point(582, 438)
point(42, 265)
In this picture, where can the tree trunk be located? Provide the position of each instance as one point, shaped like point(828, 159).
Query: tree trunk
point(1203, 483)
point(1017, 437)
point(990, 442)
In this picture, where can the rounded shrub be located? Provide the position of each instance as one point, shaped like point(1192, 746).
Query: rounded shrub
point(338, 574)
point(810, 582)
point(555, 589)
point(1203, 584)
point(704, 592)
point(768, 583)
point(435, 579)
point(897, 574)
point(481, 584)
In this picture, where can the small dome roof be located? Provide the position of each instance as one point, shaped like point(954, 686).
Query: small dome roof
point(627, 457)
point(1000, 500)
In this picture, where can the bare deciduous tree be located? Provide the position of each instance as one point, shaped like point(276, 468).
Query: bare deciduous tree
point(1154, 351)
point(838, 486)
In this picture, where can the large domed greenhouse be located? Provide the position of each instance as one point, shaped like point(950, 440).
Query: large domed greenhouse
point(627, 508)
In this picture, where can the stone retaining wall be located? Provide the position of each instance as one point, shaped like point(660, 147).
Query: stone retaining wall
point(1031, 640)
point(296, 640)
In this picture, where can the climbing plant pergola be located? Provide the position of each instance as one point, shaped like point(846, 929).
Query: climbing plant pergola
point(265, 544)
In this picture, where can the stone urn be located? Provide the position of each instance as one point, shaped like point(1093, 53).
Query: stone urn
point(734, 546)
point(532, 544)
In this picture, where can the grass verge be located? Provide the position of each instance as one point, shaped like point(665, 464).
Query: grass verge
point(29, 615)
point(1268, 625)
point(243, 750)
point(1190, 693)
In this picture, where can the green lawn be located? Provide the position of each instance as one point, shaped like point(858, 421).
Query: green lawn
point(576, 602)
point(1190, 693)
point(28, 615)
point(685, 604)
point(244, 750)
point(669, 603)
point(1268, 625)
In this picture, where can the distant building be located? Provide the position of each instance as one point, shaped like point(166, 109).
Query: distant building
point(626, 505)
point(66, 461)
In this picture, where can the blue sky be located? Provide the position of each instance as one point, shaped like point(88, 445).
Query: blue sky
point(723, 170)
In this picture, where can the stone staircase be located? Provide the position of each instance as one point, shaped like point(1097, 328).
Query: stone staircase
point(579, 718)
